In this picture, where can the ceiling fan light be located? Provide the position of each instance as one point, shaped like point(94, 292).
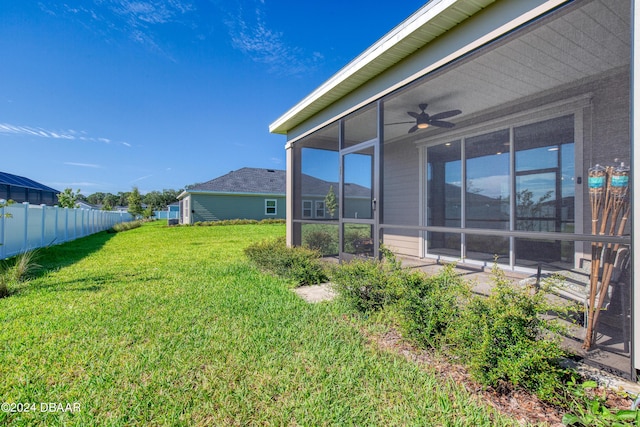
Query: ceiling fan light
point(423, 125)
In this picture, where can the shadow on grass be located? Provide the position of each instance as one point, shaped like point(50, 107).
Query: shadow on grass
point(54, 257)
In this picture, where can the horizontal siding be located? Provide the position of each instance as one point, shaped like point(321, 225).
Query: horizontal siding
point(401, 197)
point(402, 245)
point(209, 207)
point(401, 184)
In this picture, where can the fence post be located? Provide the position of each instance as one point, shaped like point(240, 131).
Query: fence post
point(42, 234)
point(66, 223)
point(55, 231)
point(26, 226)
point(2, 250)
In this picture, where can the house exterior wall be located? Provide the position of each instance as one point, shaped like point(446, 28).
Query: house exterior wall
point(401, 197)
point(603, 129)
point(30, 195)
point(213, 207)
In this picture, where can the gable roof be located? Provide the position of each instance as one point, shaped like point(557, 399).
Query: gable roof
point(21, 181)
point(268, 181)
point(245, 180)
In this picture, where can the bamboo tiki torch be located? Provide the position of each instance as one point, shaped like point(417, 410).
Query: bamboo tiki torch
point(597, 186)
point(619, 201)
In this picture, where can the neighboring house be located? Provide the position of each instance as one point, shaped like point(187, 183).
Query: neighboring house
point(254, 193)
point(84, 205)
point(247, 193)
point(21, 189)
point(475, 123)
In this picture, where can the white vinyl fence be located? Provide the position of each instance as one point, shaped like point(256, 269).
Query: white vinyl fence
point(28, 226)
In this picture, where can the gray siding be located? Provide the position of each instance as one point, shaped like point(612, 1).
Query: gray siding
point(213, 207)
point(401, 196)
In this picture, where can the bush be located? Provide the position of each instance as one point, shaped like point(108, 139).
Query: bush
point(505, 339)
point(297, 263)
point(369, 285)
point(431, 304)
point(235, 222)
point(124, 226)
point(321, 241)
point(17, 270)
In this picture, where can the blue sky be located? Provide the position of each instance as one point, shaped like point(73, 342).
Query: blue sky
point(104, 95)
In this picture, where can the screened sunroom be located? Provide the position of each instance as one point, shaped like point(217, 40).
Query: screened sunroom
point(474, 125)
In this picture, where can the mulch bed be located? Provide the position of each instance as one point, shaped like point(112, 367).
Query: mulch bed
point(518, 404)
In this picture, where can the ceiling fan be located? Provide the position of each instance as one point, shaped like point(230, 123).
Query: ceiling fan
point(424, 120)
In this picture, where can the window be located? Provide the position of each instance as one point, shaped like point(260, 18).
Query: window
point(270, 207)
point(307, 209)
point(319, 209)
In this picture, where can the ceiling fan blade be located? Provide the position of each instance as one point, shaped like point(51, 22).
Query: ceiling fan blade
point(412, 114)
point(441, 124)
point(400, 123)
point(445, 114)
point(413, 129)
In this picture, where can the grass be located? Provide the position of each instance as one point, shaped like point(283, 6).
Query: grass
point(173, 326)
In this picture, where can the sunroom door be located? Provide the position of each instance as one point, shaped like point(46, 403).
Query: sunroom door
point(359, 204)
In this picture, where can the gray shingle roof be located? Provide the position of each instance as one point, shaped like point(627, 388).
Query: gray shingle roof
point(246, 180)
point(270, 181)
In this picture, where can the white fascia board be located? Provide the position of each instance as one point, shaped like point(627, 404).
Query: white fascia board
point(231, 193)
point(382, 46)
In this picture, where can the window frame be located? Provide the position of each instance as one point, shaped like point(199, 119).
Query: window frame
point(274, 207)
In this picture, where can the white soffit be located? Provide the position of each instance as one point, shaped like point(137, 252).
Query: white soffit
point(429, 22)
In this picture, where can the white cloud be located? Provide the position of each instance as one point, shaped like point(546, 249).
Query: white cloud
point(70, 134)
point(83, 165)
point(252, 36)
point(79, 185)
point(133, 18)
point(142, 178)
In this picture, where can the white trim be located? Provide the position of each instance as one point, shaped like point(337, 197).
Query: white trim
point(350, 69)
point(310, 209)
point(274, 207)
point(230, 193)
point(324, 209)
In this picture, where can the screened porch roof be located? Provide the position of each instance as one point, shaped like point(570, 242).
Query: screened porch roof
point(426, 24)
point(546, 57)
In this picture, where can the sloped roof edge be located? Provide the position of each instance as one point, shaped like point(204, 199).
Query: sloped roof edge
point(433, 19)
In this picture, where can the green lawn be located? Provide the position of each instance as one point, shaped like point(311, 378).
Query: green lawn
point(173, 326)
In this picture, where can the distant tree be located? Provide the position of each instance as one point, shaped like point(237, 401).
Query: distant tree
point(331, 202)
point(170, 196)
point(123, 198)
point(148, 212)
point(68, 199)
point(154, 200)
point(135, 202)
point(110, 200)
point(5, 203)
point(96, 198)
point(160, 200)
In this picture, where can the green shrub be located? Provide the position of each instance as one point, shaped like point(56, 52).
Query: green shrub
point(17, 270)
point(505, 339)
point(235, 222)
point(297, 263)
point(369, 285)
point(430, 305)
point(321, 241)
point(124, 226)
point(588, 407)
